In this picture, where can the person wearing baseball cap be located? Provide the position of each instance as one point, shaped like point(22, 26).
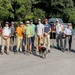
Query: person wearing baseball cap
point(27, 38)
point(6, 33)
point(47, 30)
point(12, 38)
point(33, 33)
point(69, 32)
point(59, 31)
point(39, 33)
point(19, 32)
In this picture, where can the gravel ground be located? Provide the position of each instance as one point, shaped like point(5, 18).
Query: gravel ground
point(56, 63)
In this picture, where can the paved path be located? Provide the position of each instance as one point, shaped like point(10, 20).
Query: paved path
point(56, 63)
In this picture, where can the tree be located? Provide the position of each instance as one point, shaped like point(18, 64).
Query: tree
point(38, 13)
point(5, 10)
point(22, 8)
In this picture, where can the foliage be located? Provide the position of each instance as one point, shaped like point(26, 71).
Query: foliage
point(6, 10)
point(21, 10)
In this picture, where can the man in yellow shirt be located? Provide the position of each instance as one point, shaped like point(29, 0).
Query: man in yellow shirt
point(19, 32)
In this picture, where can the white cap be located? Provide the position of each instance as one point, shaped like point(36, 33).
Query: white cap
point(57, 20)
point(27, 22)
point(39, 19)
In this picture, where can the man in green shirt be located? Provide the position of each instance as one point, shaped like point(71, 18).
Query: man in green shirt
point(27, 36)
point(33, 33)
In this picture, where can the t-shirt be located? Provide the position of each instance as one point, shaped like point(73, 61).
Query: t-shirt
point(47, 28)
point(67, 31)
point(39, 29)
point(28, 30)
point(59, 29)
point(19, 31)
point(12, 31)
point(6, 31)
point(32, 29)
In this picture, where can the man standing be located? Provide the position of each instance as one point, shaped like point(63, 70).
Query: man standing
point(27, 37)
point(12, 28)
point(59, 29)
point(33, 33)
point(68, 39)
point(6, 37)
point(19, 32)
point(39, 33)
point(47, 30)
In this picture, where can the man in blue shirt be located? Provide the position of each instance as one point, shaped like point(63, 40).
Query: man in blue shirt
point(47, 30)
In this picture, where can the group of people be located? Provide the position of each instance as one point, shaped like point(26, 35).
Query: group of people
point(64, 35)
point(30, 36)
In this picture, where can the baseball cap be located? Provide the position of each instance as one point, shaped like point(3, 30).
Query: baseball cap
point(57, 20)
point(69, 24)
point(46, 20)
point(31, 20)
point(39, 19)
point(6, 22)
point(12, 23)
point(27, 22)
point(21, 23)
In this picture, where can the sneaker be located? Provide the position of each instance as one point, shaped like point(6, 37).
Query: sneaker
point(62, 49)
point(2, 53)
point(7, 53)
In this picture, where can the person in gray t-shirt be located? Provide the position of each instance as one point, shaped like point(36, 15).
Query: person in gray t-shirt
point(12, 28)
point(39, 33)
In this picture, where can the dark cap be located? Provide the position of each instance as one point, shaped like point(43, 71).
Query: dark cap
point(46, 20)
point(31, 20)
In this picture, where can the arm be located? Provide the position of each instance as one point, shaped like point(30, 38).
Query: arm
point(49, 31)
point(42, 31)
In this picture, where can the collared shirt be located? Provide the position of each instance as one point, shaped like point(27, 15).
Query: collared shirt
point(12, 30)
point(47, 28)
point(28, 30)
point(59, 29)
point(6, 31)
point(68, 31)
point(39, 29)
point(32, 29)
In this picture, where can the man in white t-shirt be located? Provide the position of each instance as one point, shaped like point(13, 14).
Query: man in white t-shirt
point(6, 32)
point(59, 31)
point(39, 33)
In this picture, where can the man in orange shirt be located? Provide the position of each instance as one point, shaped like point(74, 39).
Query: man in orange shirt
point(19, 32)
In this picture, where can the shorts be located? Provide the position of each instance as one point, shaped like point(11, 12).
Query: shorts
point(27, 40)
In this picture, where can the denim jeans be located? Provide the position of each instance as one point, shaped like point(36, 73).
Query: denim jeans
point(33, 40)
point(59, 38)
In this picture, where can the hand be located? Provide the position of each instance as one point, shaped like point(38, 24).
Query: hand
point(28, 36)
point(5, 37)
point(45, 34)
